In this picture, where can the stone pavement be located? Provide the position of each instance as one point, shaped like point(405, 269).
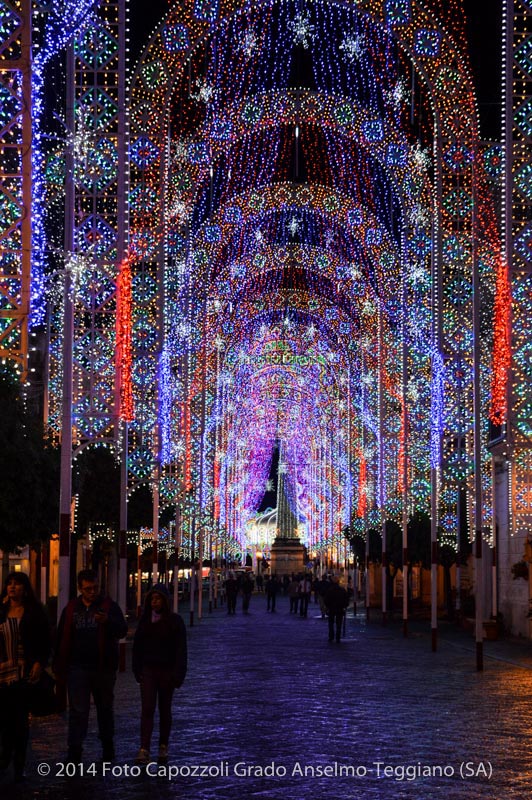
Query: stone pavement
point(377, 716)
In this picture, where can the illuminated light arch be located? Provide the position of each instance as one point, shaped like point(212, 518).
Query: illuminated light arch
point(444, 73)
point(343, 212)
point(286, 192)
point(343, 116)
point(299, 299)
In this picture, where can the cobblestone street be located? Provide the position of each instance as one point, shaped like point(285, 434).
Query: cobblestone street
point(268, 692)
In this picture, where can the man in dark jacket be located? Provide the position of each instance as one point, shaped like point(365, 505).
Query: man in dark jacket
point(336, 601)
point(272, 587)
point(231, 591)
point(87, 659)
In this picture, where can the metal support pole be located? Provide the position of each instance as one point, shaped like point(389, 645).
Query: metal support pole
point(494, 592)
point(404, 412)
point(122, 542)
point(177, 548)
point(122, 535)
point(384, 574)
point(477, 449)
point(139, 577)
point(155, 525)
point(65, 492)
point(200, 577)
point(434, 572)
point(367, 570)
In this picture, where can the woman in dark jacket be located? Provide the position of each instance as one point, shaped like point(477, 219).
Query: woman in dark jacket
point(159, 665)
point(24, 651)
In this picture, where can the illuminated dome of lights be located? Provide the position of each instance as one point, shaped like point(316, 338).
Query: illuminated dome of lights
point(308, 208)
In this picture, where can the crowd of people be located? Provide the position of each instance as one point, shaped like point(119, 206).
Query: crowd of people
point(333, 598)
point(85, 664)
point(86, 655)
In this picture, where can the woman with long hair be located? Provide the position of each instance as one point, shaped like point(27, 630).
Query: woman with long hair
point(24, 651)
point(159, 665)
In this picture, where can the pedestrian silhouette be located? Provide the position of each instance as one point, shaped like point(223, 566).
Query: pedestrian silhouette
point(159, 666)
point(24, 651)
point(336, 601)
point(86, 659)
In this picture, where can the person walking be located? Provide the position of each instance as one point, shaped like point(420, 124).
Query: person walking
point(247, 589)
point(159, 666)
point(293, 594)
point(272, 587)
point(86, 660)
point(231, 591)
point(305, 587)
point(24, 652)
point(321, 588)
point(336, 601)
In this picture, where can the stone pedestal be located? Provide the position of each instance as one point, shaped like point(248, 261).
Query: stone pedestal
point(287, 556)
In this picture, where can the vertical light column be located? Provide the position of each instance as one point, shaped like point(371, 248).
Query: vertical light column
point(517, 209)
point(155, 524)
point(404, 465)
point(16, 184)
point(122, 533)
point(121, 431)
point(380, 489)
point(177, 546)
point(477, 451)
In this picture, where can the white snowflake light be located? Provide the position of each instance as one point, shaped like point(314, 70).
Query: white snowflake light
point(368, 491)
point(181, 266)
point(420, 216)
point(179, 151)
point(293, 226)
point(355, 272)
point(303, 31)
point(247, 43)
point(81, 145)
point(418, 274)
point(353, 48)
point(368, 308)
point(397, 96)
point(183, 330)
point(177, 210)
point(77, 264)
point(420, 158)
point(204, 93)
point(179, 447)
point(412, 392)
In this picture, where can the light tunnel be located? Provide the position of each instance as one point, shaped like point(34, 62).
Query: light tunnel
point(305, 197)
